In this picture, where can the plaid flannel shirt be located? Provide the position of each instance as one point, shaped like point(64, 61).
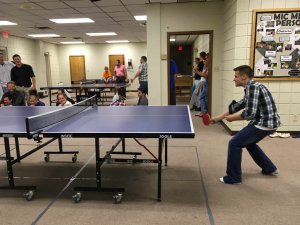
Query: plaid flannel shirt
point(259, 106)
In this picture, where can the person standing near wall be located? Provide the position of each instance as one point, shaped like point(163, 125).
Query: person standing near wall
point(142, 74)
point(121, 77)
point(173, 72)
point(5, 68)
point(204, 87)
point(199, 67)
point(23, 76)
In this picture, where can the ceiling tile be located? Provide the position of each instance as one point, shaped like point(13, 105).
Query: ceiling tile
point(123, 18)
point(42, 12)
point(164, 1)
point(133, 2)
point(136, 7)
point(120, 14)
point(13, 1)
point(97, 15)
point(82, 3)
point(113, 9)
point(65, 11)
point(89, 10)
point(109, 3)
point(53, 5)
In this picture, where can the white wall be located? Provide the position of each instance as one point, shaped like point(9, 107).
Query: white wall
point(32, 53)
point(97, 57)
point(163, 18)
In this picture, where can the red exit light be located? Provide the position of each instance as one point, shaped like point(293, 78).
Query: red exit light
point(5, 34)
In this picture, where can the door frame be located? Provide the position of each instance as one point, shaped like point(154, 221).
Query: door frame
point(210, 33)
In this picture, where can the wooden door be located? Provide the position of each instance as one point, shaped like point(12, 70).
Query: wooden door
point(112, 62)
point(77, 68)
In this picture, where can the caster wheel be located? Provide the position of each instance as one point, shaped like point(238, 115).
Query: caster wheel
point(108, 159)
point(134, 157)
point(77, 197)
point(29, 195)
point(46, 157)
point(118, 198)
point(74, 158)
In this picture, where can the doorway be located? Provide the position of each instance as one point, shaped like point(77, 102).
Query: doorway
point(77, 68)
point(183, 48)
point(112, 62)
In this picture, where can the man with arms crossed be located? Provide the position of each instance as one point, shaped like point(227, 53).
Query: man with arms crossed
point(259, 108)
point(23, 76)
point(5, 68)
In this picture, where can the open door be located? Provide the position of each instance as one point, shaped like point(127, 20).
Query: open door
point(77, 68)
point(188, 40)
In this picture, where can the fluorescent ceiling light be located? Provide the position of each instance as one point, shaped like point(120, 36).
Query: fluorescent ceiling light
point(102, 34)
point(72, 42)
point(43, 35)
point(140, 17)
point(73, 20)
point(6, 23)
point(118, 41)
point(172, 39)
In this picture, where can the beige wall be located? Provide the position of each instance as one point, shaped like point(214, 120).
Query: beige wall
point(32, 53)
point(96, 58)
point(238, 25)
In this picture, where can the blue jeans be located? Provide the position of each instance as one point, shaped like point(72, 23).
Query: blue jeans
point(247, 138)
point(173, 96)
point(204, 98)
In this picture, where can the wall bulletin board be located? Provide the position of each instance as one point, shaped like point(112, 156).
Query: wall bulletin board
point(275, 48)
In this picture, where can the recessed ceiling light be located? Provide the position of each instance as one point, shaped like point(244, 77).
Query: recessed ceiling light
point(172, 39)
point(72, 42)
point(6, 23)
point(140, 17)
point(43, 35)
point(102, 34)
point(73, 20)
point(118, 41)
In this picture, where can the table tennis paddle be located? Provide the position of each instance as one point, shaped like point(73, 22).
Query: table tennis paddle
point(206, 119)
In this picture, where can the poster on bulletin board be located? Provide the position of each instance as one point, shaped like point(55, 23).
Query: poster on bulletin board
point(275, 49)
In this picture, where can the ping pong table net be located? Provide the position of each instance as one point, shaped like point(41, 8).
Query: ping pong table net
point(35, 124)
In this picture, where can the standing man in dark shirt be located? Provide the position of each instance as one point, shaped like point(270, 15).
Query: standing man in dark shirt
point(23, 76)
point(17, 97)
point(173, 72)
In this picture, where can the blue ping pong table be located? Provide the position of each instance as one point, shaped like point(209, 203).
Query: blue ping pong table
point(159, 122)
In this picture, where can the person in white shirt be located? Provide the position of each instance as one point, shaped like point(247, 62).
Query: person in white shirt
point(62, 100)
point(5, 68)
